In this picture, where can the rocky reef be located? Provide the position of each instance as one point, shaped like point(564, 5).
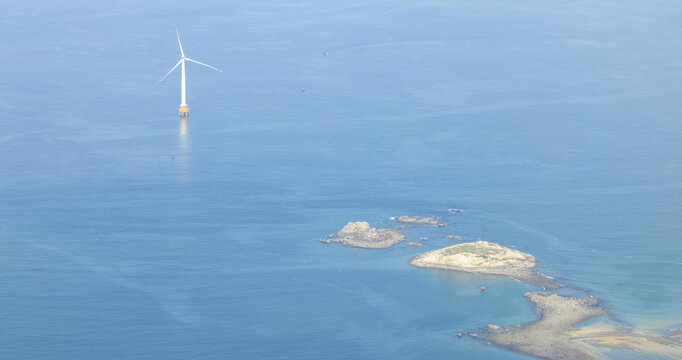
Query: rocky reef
point(417, 220)
point(484, 257)
point(555, 337)
point(549, 336)
point(360, 234)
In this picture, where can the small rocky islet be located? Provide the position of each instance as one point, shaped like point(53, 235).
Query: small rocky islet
point(484, 257)
point(554, 335)
point(360, 234)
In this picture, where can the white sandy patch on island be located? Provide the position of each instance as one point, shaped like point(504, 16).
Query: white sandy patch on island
point(608, 336)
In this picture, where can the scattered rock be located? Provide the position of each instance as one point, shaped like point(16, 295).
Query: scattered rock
point(442, 225)
point(482, 288)
point(473, 334)
point(414, 244)
point(459, 334)
point(493, 327)
point(454, 211)
point(423, 238)
point(455, 237)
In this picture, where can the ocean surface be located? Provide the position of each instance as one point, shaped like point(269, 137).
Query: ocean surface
point(127, 234)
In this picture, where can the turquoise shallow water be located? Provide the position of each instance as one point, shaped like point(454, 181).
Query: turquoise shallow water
point(127, 234)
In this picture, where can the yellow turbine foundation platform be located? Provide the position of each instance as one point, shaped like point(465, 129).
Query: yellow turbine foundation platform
point(184, 111)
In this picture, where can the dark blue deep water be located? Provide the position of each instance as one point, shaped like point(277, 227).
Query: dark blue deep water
point(127, 234)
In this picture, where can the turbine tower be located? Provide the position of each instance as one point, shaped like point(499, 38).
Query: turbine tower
point(184, 110)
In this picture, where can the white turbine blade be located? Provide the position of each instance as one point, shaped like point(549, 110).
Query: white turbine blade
point(182, 53)
point(200, 63)
point(176, 65)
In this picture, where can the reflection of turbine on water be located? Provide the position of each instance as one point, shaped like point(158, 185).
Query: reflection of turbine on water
point(183, 149)
point(183, 130)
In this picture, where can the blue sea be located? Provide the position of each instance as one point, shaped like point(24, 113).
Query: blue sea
point(126, 233)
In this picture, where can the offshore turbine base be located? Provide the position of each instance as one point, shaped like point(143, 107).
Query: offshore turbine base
point(184, 111)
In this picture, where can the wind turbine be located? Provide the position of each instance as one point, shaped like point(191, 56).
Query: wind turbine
point(184, 110)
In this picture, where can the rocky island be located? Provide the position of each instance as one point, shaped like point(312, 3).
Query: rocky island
point(484, 257)
point(360, 234)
